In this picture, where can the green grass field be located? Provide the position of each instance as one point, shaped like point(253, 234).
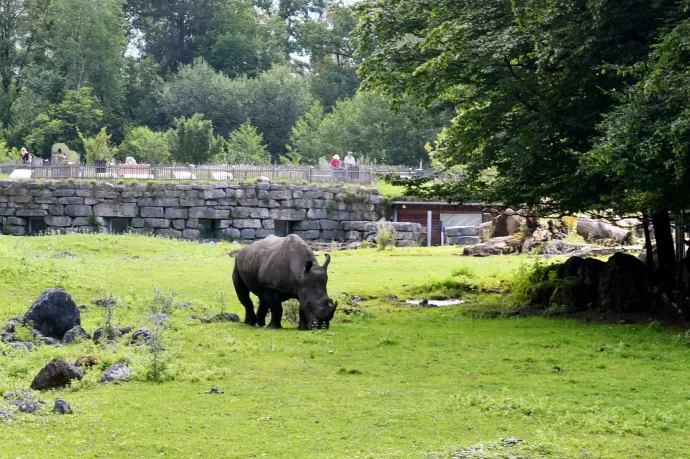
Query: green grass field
point(386, 380)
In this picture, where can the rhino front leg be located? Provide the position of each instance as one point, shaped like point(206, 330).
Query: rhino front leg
point(303, 321)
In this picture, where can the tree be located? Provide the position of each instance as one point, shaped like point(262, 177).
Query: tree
point(526, 81)
point(245, 146)
point(98, 147)
point(192, 140)
point(240, 41)
point(366, 126)
point(274, 101)
point(78, 111)
point(146, 146)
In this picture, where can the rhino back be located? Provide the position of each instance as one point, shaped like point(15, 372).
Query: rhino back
point(274, 263)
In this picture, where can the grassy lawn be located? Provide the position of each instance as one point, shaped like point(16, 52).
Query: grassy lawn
point(386, 380)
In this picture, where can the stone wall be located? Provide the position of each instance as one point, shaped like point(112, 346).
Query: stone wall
point(227, 211)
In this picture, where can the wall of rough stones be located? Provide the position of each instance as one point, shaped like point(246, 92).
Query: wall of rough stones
point(231, 211)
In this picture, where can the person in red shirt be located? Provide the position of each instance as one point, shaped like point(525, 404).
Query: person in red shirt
point(335, 162)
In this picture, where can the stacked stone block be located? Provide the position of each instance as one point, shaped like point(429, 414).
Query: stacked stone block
point(234, 211)
point(462, 235)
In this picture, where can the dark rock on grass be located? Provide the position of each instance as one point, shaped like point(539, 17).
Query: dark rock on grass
point(104, 302)
point(213, 390)
point(185, 304)
point(227, 317)
point(590, 270)
point(53, 314)
point(26, 406)
point(570, 267)
point(58, 373)
point(49, 341)
point(5, 416)
point(10, 326)
point(75, 334)
point(99, 334)
point(141, 335)
point(28, 347)
point(64, 255)
point(125, 330)
point(62, 407)
point(542, 292)
point(84, 308)
point(570, 295)
point(8, 337)
point(87, 361)
point(623, 285)
point(19, 394)
point(117, 372)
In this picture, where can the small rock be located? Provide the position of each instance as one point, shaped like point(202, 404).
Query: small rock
point(143, 334)
point(125, 330)
point(49, 341)
point(202, 319)
point(158, 318)
point(104, 302)
point(28, 347)
point(87, 361)
point(5, 416)
point(75, 334)
point(116, 372)
point(64, 255)
point(26, 406)
point(213, 390)
point(227, 317)
point(58, 373)
point(10, 327)
point(424, 303)
point(84, 308)
point(185, 304)
point(8, 337)
point(62, 407)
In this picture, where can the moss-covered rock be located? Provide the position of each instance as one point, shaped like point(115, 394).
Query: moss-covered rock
point(570, 295)
point(541, 293)
point(623, 285)
point(570, 267)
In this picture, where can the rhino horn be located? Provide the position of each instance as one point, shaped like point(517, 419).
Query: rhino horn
point(328, 260)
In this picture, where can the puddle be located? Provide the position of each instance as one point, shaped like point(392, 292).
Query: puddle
point(439, 303)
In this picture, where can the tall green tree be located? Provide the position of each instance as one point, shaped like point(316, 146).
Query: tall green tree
point(526, 79)
point(192, 140)
point(245, 146)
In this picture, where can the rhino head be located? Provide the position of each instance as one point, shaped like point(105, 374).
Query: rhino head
point(314, 304)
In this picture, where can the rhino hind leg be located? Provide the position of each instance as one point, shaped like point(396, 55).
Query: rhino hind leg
point(243, 295)
point(261, 312)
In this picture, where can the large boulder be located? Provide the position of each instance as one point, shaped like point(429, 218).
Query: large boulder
point(623, 285)
point(53, 314)
point(506, 224)
point(589, 272)
point(596, 230)
point(570, 267)
point(58, 373)
point(542, 292)
point(117, 372)
point(570, 295)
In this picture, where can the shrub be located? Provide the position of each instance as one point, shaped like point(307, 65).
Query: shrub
point(146, 146)
point(291, 310)
point(385, 235)
point(163, 303)
point(98, 148)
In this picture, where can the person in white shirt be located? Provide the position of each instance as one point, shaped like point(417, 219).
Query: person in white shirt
point(349, 159)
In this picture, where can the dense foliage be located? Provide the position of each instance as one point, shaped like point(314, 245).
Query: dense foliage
point(131, 65)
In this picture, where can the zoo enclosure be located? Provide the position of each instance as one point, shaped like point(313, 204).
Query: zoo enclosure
point(219, 172)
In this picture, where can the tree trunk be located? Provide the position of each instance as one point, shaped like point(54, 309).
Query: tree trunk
point(648, 241)
point(665, 250)
point(596, 230)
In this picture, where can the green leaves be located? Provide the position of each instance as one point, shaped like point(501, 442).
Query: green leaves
point(192, 140)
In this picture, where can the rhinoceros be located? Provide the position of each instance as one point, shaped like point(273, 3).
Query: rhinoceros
point(277, 269)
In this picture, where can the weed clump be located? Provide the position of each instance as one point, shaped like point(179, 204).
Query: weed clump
point(385, 235)
point(291, 310)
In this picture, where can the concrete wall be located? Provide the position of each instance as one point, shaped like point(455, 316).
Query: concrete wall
point(244, 211)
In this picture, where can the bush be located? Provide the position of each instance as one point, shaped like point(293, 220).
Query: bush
point(146, 146)
point(245, 146)
point(291, 310)
point(527, 276)
point(385, 235)
point(98, 148)
point(192, 140)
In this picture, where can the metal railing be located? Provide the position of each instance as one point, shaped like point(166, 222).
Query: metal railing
point(216, 172)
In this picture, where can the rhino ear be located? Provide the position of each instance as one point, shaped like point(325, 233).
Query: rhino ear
point(307, 267)
point(328, 260)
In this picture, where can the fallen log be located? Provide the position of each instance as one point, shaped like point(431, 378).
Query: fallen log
point(596, 230)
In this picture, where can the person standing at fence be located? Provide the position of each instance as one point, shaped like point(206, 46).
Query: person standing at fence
point(26, 157)
point(335, 162)
point(350, 160)
point(351, 165)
